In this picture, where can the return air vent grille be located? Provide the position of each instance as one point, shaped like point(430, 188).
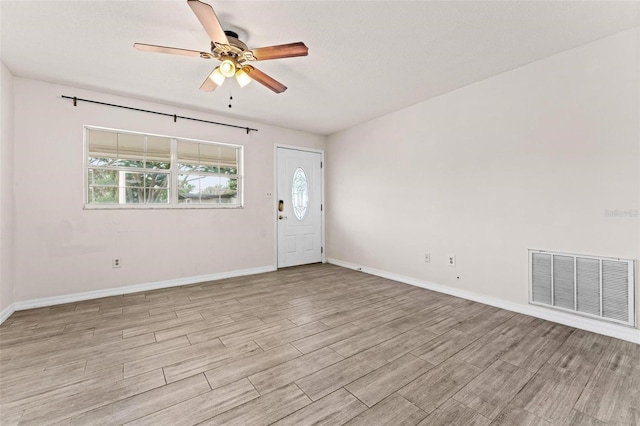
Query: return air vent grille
point(593, 286)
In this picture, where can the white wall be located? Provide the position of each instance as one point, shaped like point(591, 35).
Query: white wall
point(6, 189)
point(530, 158)
point(62, 249)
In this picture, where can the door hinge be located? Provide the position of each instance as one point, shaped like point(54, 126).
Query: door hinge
point(321, 249)
point(320, 207)
point(321, 164)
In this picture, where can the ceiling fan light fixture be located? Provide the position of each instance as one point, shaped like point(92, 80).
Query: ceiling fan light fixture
point(242, 77)
point(217, 77)
point(227, 67)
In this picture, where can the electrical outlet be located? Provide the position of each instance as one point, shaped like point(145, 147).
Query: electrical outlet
point(116, 262)
point(451, 260)
point(427, 258)
point(269, 195)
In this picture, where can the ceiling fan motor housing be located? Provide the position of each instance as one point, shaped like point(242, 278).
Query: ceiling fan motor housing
point(236, 49)
point(230, 33)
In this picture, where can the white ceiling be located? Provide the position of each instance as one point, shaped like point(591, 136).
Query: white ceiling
point(366, 58)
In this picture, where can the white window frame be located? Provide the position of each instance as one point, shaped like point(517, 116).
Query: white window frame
point(173, 172)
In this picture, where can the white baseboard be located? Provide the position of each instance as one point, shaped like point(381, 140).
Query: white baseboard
point(118, 291)
point(6, 312)
point(608, 329)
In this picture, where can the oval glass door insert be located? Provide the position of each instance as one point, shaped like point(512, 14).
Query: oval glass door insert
point(300, 193)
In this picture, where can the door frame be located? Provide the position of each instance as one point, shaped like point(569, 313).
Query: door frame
point(274, 204)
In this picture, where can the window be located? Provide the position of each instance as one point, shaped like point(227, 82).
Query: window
point(207, 173)
point(133, 170)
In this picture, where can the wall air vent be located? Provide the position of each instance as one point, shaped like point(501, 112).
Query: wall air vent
point(597, 287)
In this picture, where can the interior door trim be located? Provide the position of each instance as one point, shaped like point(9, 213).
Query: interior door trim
point(274, 201)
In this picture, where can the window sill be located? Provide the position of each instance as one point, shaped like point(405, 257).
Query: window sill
point(157, 207)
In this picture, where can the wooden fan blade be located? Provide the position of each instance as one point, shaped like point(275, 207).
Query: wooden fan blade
point(281, 51)
point(264, 79)
point(209, 21)
point(208, 85)
point(171, 50)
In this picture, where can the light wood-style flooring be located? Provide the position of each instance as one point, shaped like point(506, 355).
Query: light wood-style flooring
point(317, 344)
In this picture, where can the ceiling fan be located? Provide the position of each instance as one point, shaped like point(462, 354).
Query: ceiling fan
point(232, 53)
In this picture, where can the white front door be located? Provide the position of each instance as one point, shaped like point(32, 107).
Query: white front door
point(299, 196)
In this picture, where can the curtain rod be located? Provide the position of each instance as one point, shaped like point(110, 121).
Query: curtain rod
point(175, 117)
